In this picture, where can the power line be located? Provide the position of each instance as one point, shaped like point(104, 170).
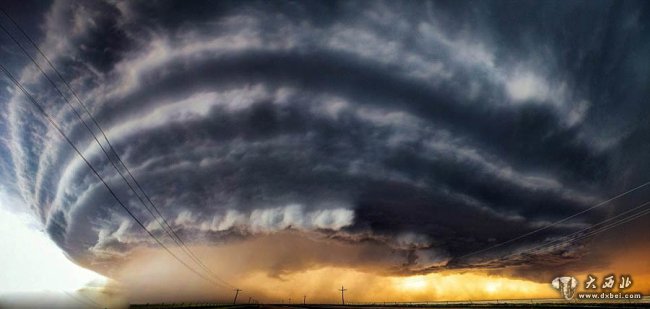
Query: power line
point(74, 147)
point(90, 300)
point(576, 236)
point(554, 223)
point(165, 227)
point(579, 236)
point(80, 301)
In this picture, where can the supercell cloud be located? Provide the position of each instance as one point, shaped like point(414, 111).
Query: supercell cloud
point(425, 130)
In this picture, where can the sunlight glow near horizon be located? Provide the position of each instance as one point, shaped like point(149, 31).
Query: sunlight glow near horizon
point(414, 283)
point(31, 262)
point(492, 287)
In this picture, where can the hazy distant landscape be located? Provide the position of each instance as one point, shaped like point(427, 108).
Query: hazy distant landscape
point(537, 303)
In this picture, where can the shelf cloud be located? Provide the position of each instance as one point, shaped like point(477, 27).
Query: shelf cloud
point(418, 131)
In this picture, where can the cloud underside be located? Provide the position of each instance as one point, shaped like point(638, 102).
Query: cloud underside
point(424, 138)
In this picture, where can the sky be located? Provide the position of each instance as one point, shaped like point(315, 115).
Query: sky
point(438, 150)
point(34, 267)
point(20, 279)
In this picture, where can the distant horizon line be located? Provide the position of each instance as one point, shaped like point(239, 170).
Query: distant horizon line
point(644, 299)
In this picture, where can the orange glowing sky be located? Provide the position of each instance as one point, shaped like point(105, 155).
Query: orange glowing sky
point(253, 265)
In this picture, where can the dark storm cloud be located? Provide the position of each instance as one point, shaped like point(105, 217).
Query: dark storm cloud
point(433, 128)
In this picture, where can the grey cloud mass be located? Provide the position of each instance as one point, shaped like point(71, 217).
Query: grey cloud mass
point(430, 129)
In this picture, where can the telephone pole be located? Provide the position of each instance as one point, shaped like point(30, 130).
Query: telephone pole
point(342, 298)
point(304, 299)
point(236, 293)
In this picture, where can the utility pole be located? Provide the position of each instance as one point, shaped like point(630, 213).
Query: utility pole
point(342, 298)
point(304, 299)
point(236, 293)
